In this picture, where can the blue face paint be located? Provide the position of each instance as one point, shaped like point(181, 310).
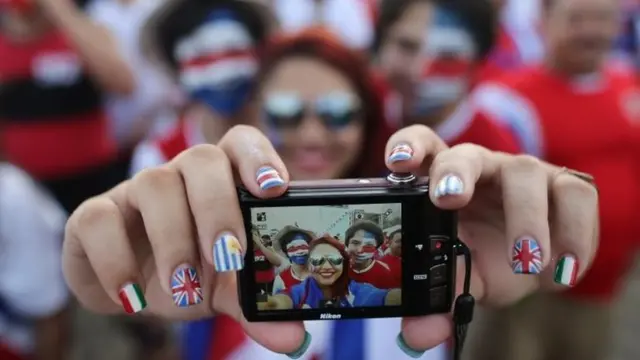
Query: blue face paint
point(298, 250)
point(217, 63)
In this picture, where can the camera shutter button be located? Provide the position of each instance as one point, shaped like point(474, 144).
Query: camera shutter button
point(401, 178)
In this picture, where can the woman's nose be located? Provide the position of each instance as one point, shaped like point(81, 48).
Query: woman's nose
point(312, 130)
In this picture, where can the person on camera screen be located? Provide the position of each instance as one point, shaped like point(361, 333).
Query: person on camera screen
point(265, 262)
point(294, 243)
point(362, 241)
point(393, 258)
point(329, 285)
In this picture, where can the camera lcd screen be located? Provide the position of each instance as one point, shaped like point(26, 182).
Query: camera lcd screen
point(327, 256)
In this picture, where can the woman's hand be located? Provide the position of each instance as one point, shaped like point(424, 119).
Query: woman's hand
point(527, 222)
point(174, 224)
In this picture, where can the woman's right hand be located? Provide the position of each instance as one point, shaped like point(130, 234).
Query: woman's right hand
point(184, 214)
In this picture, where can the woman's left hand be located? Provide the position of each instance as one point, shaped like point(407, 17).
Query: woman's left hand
point(521, 217)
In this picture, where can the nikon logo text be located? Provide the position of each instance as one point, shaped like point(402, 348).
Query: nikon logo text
point(330, 316)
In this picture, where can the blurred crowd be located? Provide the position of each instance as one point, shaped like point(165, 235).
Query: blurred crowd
point(95, 91)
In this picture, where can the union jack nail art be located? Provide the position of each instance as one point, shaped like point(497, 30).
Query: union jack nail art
point(400, 152)
point(526, 257)
point(268, 177)
point(185, 287)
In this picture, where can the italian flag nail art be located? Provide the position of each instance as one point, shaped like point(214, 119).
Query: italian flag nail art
point(132, 298)
point(566, 271)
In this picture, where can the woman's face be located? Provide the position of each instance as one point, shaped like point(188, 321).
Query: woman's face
point(325, 264)
point(313, 116)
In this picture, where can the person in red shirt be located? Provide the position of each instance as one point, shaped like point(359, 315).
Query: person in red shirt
point(362, 241)
point(294, 242)
point(573, 111)
point(427, 54)
point(394, 257)
point(265, 262)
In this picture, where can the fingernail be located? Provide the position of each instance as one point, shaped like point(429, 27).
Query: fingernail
point(132, 298)
point(406, 348)
point(268, 177)
point(185, 286)
point(303, 348)
point(567, 271)
point(449, 185)
point(227, 254)
point(526, 257)
point(401, 152)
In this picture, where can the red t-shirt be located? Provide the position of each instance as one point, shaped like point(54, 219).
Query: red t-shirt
point(289, 279)
point(265, 272)
point(395, 267)
point(591, 124)
point(377, 274)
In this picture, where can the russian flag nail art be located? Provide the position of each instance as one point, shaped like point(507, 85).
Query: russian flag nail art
point(268, 177)
point(400, 152)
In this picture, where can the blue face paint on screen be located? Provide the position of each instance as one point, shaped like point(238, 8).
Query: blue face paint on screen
point(298, 250)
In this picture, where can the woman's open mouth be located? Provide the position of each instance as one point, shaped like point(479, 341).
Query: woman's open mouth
point(327, 274)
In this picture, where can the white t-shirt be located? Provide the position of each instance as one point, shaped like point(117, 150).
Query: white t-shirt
point(351, 20)
point(31, 234)
point(155, 92)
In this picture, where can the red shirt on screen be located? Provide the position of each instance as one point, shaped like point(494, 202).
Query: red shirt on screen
point(395, 267)
point(377, 274)
point(265, 272)
point(286, 279)
point(591, 124)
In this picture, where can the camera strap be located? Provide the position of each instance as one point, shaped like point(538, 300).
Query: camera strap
point(463, 308)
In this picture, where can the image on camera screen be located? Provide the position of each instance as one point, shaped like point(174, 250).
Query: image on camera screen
point(327, 256)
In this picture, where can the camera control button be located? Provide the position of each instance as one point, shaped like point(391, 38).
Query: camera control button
point(438, 296)
point(437, 243)
point(401, 178)
point(438, 275)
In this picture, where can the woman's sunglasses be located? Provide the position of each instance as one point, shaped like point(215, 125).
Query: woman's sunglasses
point(334, 260)
point(286, 110)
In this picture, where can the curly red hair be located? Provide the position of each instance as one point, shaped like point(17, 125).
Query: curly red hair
point(321, 44)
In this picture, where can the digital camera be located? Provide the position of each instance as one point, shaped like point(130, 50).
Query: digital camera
point(342, 249)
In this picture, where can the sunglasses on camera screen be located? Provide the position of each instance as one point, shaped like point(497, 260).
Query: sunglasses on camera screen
point(320, 260)
point(335, 110)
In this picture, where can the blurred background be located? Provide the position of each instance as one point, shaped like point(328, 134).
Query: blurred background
point(93, 91)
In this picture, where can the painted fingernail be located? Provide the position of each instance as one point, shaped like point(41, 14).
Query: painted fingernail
point(268, 177)
point(132, 298)
point(185, 286)
point(227, 254)
point(567, 271)
point(401, 152)
point(449, 185)
point(526, 257)
point(303, 348)
point(406, 348)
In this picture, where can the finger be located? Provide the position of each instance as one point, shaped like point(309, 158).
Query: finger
point(281, 337)
point(411, 148)
point(574, 215)
point(525, 199)
point(213, 201)
point(455, 172)
point(159, 195)
point(97, 246)
point(260, 168)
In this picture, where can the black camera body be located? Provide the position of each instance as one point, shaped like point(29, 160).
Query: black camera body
point(340, 277)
